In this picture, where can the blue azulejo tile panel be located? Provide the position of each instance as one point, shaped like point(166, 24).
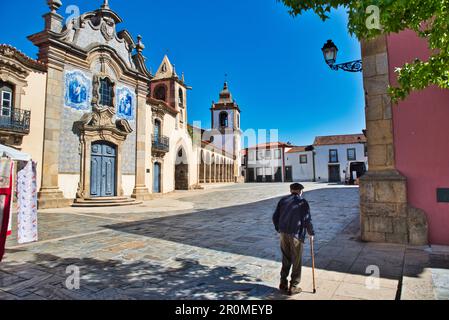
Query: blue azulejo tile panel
point(77, 90)
point(69, 142)
point(126, 103)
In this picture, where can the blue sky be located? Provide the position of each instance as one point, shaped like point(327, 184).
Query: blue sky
point(274, 63)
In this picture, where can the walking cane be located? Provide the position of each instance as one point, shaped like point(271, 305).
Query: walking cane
point(312, 252)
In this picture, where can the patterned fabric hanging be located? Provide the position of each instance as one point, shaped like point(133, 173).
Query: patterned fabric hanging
point(13, 170)
point(5, 200)
point(27, 204)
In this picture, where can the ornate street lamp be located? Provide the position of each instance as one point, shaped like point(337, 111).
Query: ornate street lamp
point(330, 51)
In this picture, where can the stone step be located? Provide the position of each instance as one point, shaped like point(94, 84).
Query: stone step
point(105, 202)
point(106, 199)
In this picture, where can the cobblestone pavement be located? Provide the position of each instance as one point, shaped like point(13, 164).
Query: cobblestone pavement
point(217, 243)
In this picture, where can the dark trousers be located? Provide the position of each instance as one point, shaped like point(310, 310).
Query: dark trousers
point(292, 250)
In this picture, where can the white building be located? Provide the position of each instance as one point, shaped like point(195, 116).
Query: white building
point(334, 153)
point(266, 163)
point(327, 160)
point(300, 161)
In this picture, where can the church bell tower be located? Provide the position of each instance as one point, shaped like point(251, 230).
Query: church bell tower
point(226, 126)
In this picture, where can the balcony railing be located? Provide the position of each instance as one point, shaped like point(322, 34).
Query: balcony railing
point(160, 143)
point(18, 121)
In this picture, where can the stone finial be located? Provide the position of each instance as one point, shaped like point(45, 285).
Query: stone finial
point(183, 77)
point(140, 46)
point(54, 5)
point(105, 4)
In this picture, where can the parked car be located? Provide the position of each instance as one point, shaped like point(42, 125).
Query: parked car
point(354, 171)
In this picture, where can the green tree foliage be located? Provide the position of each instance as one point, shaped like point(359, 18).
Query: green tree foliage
point(428, 18)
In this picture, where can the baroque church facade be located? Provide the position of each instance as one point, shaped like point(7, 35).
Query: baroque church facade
point(103, 129)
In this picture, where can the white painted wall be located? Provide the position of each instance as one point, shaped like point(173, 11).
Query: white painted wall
point(178, 137)
point(34, 100)
point(322, 159)
point(68, 184)
point(301, 172)
point(128, 183)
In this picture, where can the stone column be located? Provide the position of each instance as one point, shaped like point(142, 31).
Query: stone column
point(49, 195)
point(209, 173)
point(385, 213)
point(226, 175)
point(202, 173)
point(143, 146)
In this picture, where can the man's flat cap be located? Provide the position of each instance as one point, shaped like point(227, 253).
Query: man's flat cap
point(297, 186)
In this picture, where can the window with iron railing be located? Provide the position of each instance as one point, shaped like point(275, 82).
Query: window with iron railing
point(16, 121)
point(160, 143)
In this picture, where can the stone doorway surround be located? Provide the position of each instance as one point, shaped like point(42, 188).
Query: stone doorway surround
point(386, 215)
point(99, 126)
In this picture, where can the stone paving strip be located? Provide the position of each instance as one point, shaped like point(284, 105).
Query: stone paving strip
point(217, 243)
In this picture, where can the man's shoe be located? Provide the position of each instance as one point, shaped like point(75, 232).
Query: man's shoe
point(295, 290)
point(283, 287)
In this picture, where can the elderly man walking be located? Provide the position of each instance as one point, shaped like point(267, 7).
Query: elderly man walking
point(292, 220)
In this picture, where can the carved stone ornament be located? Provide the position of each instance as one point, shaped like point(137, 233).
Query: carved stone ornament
point(103, 119)
point(108, 28)
point(158, 111)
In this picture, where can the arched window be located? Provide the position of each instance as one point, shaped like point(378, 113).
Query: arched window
point(160, 93)
point(6, 99)
point(224, 119)
point(181, 116)
point(181, 97)
point(238, 121)
point(106, 92)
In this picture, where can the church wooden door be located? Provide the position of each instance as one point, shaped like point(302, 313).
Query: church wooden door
point(103, 170)
point(182, 177)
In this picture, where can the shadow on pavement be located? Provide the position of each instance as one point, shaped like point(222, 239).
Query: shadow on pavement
point(245, 229)
point(45, 277)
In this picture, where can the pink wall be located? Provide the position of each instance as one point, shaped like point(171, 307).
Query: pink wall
point(421, 136)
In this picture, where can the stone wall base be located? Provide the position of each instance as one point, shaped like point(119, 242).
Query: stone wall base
point(384, 211)
point(141, 194)
point(52, 199)
point(239, 179)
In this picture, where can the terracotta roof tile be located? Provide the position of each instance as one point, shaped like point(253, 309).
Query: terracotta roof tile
point(301, 149)
point(272, 145)
point(10, 50)
point(340, 139)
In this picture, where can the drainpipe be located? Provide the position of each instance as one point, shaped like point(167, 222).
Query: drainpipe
point(283, 164)
point(314, 166)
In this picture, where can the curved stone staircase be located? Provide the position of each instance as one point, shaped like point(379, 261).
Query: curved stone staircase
point(105, 202)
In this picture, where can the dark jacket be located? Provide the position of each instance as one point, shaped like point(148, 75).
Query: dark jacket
point(293, 217)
